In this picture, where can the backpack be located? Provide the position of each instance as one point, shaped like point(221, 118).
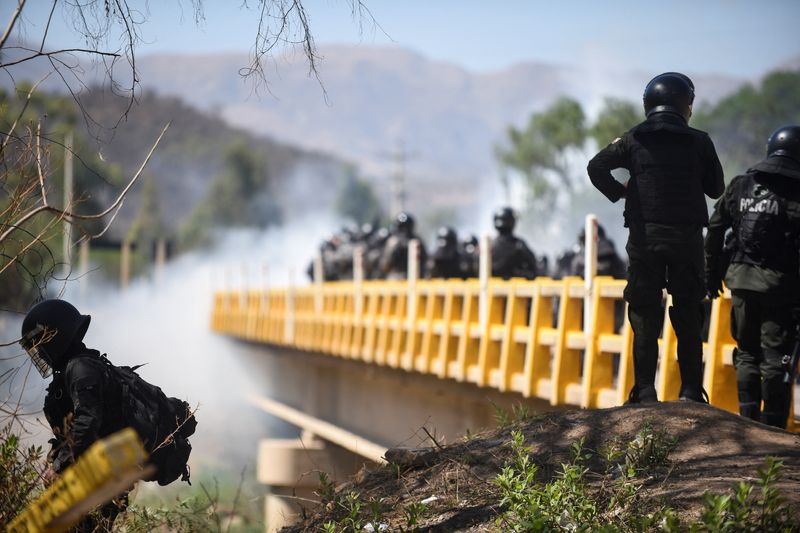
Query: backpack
point(164, 424)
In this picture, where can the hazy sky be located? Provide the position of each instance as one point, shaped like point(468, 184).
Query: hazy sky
point(735, 37)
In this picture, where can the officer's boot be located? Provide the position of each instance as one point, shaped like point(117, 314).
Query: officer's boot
point(777, 396)
point(687, 321)
point(748, 383)
point(646, 325)
point(750, 398)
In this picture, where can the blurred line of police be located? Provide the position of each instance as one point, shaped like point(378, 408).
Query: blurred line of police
point(385, 253)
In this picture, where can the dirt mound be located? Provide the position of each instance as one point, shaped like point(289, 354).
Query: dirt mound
point(713, 451)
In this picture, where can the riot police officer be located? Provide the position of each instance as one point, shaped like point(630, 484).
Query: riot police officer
point(349, 239)
point(327, 253)
point(672, 168)
point(394, 261)
point(762, 207)
point(81, 405)
point(374, 252)
point(511, 257)
point(470, 257)
point(445, 261)
point(609, 262)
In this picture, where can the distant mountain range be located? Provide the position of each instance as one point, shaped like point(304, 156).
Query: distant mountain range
point(447, 117)
point(192, 154)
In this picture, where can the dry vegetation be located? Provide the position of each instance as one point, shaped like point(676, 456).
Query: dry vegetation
point(628, 468)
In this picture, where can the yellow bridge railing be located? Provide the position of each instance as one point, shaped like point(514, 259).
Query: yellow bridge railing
point(523, 336)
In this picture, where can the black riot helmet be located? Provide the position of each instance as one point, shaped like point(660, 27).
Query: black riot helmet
point(446, 237)
point(49, 329)
point(671, 92)
point(471, 244)
point(404, 223)
point(505, 220)
point(785, 141)
point(367, 229)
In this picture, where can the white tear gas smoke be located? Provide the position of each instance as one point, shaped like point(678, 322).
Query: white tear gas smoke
point(163, 322)
point(551, 228)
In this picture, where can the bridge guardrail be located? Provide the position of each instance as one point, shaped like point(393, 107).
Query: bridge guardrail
point(523, 336)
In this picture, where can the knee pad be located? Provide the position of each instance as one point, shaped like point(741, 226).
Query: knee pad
point(641, 293)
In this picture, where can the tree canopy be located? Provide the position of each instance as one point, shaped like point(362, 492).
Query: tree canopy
point(239, 196)
point(539, 151)
point(741, 123)
point(357, 200)
point(616, 117)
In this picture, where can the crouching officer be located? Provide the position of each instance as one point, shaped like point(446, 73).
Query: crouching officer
point(81, 405)
point(672, 167)
point(762, 207)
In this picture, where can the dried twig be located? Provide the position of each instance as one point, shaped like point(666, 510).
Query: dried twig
point(67, 213)
point(12, 22)
point(433, 439)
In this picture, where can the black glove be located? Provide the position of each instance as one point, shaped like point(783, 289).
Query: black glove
point(713, 285)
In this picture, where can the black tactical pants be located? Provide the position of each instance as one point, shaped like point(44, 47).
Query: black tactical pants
point(761, 325)
point(668, 257)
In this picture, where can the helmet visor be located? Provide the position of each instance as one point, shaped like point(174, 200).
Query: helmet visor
point(33, 345)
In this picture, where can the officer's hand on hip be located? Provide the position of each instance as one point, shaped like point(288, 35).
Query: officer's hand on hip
point(713, 286)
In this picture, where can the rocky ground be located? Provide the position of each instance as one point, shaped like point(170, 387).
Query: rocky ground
point(713, 450)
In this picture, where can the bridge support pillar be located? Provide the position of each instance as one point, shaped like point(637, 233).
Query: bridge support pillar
point(291, 469)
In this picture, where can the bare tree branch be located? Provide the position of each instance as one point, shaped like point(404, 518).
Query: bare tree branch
point(47, 27)
point(39, 169)
point(11, 23)
point(71, 215)
point(37, 53)
point(13, 127)
point(37, 239)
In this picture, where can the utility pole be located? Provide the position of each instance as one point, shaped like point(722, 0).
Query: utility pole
point(68, 187)
point(400, 156)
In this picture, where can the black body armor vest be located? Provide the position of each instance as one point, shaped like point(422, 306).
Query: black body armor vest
point(761, 229)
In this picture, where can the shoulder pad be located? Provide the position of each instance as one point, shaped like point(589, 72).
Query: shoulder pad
point(695, 131)
point(81, 367)
point(646, 127)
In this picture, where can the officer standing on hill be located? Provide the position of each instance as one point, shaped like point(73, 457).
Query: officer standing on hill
point(672, 167)
point(762, 207)
point(511, 257)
